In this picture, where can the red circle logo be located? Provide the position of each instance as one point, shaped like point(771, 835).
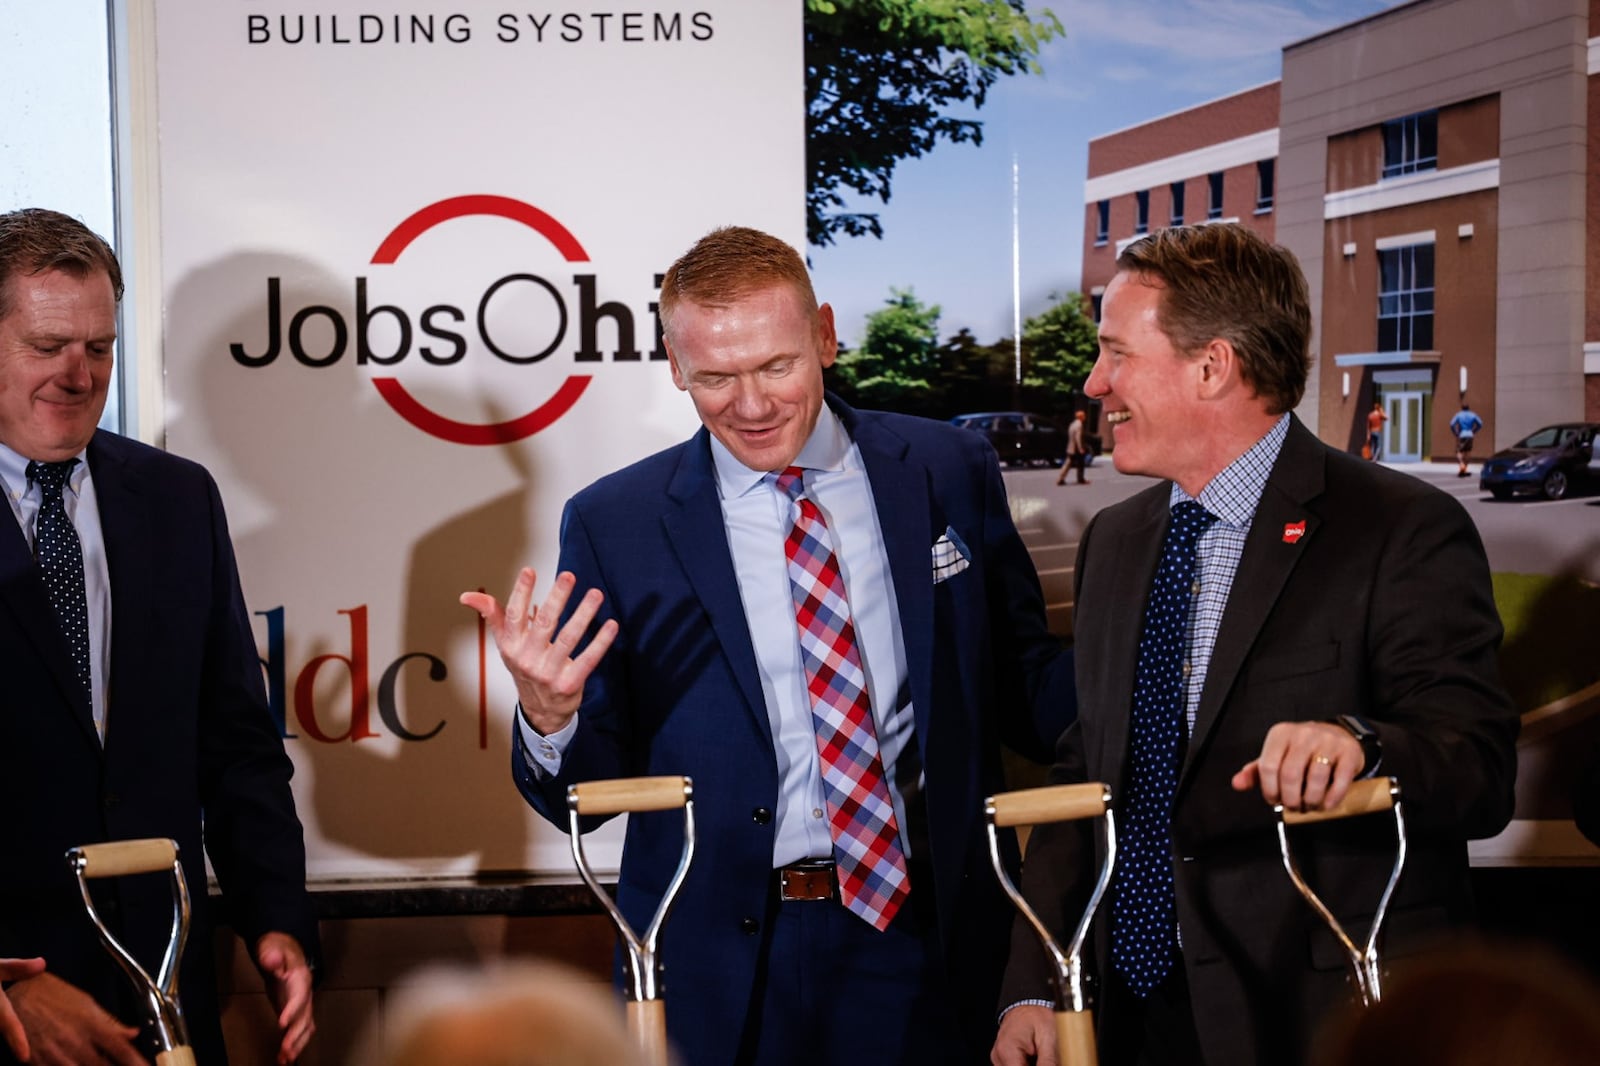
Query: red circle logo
point(413, 410)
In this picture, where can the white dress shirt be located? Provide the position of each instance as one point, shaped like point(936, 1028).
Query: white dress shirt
point(83, 511)
point(756, 517)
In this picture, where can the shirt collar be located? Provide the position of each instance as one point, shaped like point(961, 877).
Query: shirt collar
point(14, 472)
point(1233, 494)
point(825, 449)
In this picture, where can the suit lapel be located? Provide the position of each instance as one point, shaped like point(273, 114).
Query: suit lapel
point(22, 592)
point(1271, 551)
point(695, 528)
point(1137, 550)
point(901, 496)
point(125, 528)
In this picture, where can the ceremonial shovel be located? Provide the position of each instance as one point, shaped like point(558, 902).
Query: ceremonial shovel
point(118, 859)
point(1059, 803)
point(647, 1018)
point(1365, 797)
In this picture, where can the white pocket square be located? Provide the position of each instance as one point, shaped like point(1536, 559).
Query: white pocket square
point(950, 556)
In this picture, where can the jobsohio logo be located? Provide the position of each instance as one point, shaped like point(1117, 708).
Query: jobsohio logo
point(444, 334)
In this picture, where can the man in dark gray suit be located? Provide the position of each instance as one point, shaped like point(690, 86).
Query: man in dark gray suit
point(1329, 619)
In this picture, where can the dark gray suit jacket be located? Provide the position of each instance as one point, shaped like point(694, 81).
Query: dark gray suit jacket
point(1383, 608)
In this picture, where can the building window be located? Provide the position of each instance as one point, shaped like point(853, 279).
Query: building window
point(1411, 144)
point(1102, 228)
point(1214, 207)
point(1405, 298)
point(1095, 300)
point(1177, 203)
point(1264, 184)
point(1141, 217)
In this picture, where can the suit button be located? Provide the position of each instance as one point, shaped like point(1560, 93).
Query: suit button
point(749, 927)
point(761, 815)
point(112, 800)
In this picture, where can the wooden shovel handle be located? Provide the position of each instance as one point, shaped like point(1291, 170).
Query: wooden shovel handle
point(1365, 797)
point(1055, 803)
point(647, 1021)
point(1075, 1038)
point(119, 857)
point(624, 794)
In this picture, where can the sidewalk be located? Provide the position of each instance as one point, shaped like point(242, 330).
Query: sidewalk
point(1437, 470)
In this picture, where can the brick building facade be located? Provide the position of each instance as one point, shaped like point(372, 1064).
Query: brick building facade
point(1436, 171)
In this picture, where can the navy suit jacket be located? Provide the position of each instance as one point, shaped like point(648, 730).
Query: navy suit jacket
point(679, 693)
point(1361, 590)
point(190, 746)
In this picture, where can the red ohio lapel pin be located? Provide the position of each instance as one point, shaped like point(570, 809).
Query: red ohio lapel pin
point(1293, 531)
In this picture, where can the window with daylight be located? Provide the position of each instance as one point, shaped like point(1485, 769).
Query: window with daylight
point(60, 147)
point(1141, 217)
point(1265, 178)
point(1177, 203)
point(1405, 298)
point(1102, 228)
point(1411, 144)
point(1214, 207)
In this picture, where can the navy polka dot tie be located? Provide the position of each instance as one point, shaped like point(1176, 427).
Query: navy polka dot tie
point(60, 557)
point(1143, 922)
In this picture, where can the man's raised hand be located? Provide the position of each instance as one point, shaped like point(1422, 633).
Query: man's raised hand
point(539, 651)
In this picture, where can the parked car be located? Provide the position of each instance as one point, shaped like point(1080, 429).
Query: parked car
point(1019, 437)
point(1549, 462)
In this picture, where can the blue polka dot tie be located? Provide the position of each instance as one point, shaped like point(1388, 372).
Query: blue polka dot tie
point(1143, 920)
point(60, 556)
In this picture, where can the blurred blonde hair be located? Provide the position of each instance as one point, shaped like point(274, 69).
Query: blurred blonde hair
point(1478, 1003)
point(510, 1014)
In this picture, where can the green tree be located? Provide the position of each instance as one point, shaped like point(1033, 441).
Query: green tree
point(1059, 346)
point(879, 76)
point(976, 377)
point(897, 365)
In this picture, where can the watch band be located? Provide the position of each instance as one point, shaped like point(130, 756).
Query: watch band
point(1367, 737)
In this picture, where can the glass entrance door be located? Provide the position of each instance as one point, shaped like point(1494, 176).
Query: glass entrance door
point(1407, 425)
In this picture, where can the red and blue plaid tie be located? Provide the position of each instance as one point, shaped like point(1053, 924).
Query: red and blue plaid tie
point(873, 882)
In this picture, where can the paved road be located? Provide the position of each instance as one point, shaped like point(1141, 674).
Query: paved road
point(1528, 536)
point(1523, 536)
point(1050, 518)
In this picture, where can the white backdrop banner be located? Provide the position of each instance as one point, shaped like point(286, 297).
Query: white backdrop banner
point(410, 256)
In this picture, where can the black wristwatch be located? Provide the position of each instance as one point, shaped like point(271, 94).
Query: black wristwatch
point(1371, 743)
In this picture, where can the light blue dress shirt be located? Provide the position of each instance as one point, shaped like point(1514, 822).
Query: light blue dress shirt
point(83, 511)
point(756, 516)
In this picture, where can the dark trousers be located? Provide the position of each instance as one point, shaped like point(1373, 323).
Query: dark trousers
point(1157, 1030)
point(831, 989)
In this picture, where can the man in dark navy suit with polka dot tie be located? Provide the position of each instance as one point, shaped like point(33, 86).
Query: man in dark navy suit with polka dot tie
point(133, 693)
point(1272, 621)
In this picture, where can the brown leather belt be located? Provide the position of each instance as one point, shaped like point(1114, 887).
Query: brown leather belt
point(811, 879)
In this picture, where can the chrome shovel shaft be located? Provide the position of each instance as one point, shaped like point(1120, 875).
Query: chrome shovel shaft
point(121, 858)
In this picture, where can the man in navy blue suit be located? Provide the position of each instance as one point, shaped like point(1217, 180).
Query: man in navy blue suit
point(699, 663)
point(134, 705)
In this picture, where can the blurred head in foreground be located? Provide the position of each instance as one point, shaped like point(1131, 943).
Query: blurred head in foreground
point(1483, 1003)
point(514, 1014)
